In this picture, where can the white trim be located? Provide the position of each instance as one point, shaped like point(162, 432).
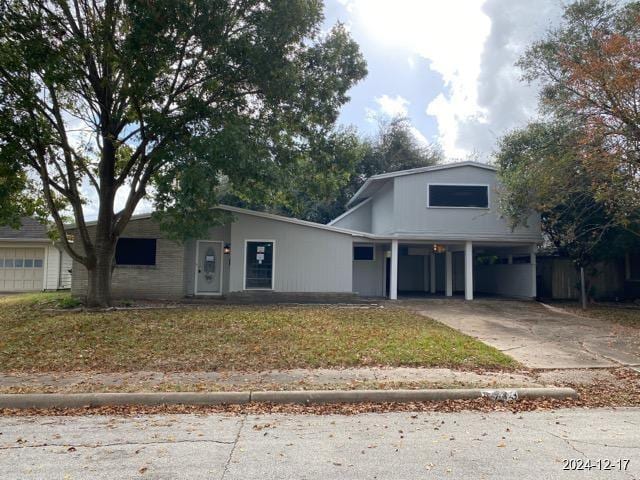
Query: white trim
point(359, 244)
point(197, 259)
point(413, 171)
point(348, 212)
point(273, 264)
point(458, 184)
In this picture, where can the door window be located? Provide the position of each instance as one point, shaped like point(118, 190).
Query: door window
point(259, 265)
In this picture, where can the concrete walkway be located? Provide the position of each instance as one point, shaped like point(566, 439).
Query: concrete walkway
point(535, 335)
point(498, 445)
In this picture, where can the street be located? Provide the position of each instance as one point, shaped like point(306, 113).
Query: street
point(529, 445)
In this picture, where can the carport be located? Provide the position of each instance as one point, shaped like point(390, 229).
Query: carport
point(446, 268)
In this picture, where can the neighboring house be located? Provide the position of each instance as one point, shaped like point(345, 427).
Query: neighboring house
point(427, 230)
point(30, 260)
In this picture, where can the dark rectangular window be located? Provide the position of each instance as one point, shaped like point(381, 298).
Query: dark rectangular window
point(459, 196)
point(259, 261)
point(363, 252)
point(136, 251)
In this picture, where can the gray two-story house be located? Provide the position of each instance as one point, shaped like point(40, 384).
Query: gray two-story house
point(427, 231)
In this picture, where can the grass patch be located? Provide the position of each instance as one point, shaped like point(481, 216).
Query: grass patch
point(34, 338)
point(624, 314)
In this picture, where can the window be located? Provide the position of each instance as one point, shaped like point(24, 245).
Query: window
point(136, 251)
point(28, 263)
point(363, 252)
point(37, 263)
point(18, 262)
point(8, 263)
point(259, 264)
point(470, 196)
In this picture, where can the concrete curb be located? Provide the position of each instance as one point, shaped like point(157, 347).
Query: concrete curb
point(77, 400)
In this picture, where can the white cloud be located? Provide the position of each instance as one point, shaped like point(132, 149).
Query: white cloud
point(393, 106)
point(450, 35)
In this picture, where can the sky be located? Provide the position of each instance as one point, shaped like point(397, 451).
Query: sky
point(447, 65)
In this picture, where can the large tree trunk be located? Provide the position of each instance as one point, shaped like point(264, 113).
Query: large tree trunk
point(100, 271)
point(99, 285)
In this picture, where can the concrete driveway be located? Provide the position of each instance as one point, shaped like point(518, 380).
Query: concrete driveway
point(535, 335)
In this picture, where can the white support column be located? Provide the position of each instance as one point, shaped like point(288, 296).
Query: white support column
point(468, 270)
point(449, 274)
point(534, 281)
point(432, 272)
point(393, 280)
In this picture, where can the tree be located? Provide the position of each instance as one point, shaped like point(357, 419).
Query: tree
point(589, 70)
point(540, 170)
point(163, 99)
point(393, 148)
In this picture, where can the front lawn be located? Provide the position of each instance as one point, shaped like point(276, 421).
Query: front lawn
point(34, 336)
point(628, 315)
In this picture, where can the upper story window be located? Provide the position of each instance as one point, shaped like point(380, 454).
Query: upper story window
point(136, 251)
point(458, 196)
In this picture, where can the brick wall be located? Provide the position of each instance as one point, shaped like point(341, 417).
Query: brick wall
point(165, 279)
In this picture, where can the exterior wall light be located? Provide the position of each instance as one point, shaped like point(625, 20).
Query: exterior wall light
point(227, 249)
point(439, 248)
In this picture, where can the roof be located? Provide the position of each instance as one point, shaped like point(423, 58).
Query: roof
point(254, 213)
point(374, 182)
point(407, 236)
point(30, 229)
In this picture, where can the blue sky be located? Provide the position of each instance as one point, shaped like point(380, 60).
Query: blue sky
point(448, 65)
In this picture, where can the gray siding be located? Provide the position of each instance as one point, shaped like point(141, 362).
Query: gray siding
point(307, 259)
point(221, 233)
point(382, 210)
point(359, 219)
point(163, 280)
point(412, 216)
point(368, 275)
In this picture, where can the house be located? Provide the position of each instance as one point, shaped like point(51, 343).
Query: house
point(30, 260)
point(432, 230)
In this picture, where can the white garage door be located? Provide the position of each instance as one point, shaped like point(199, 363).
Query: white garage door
point(21, 269)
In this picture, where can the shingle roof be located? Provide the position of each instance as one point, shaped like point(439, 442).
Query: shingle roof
point(30, 229)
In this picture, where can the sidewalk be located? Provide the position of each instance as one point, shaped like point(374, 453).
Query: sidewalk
point(299, 379)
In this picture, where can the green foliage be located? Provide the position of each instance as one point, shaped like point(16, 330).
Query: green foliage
point(337, 168)
point(167, 100)
point(540, 170)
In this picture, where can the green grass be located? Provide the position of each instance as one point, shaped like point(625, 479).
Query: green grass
point(35, 338)
point(623, 314)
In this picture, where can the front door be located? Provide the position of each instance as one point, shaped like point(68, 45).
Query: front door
point(209, 263)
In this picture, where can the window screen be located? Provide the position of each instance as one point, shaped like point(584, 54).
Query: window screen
point(363, 252)
point(458, 196)
point(136, 251)
point(259, 258)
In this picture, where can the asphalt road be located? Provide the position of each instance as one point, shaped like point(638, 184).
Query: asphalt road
point(384, 446)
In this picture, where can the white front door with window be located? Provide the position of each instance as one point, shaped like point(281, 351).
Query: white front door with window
point(209, 265)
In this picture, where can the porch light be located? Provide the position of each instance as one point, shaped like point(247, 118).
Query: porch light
point(439, 248)
point(227, 248)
